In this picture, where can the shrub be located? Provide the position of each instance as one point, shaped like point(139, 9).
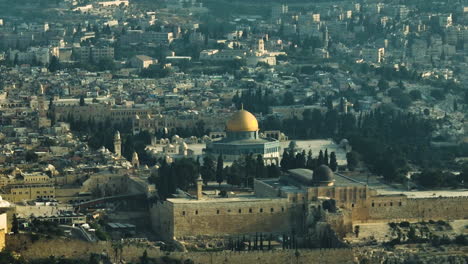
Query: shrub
point(405, 224)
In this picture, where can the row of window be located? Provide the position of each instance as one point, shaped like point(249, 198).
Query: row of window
point(385, 204)
point(272, 210)
point(128, 113)
point(37, 192)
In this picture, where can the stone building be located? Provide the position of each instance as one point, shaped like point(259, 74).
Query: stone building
point(4, 207)
point(293, 202)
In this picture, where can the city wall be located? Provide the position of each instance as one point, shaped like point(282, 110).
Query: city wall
point(81, 250)
point(400, 208)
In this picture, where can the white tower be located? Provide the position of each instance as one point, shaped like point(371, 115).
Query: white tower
point(135, 160)
point(117, 144)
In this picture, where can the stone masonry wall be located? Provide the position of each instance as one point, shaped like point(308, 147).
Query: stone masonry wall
point(81, 250)
point(388, 208)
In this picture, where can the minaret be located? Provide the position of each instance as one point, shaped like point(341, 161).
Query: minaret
point(135, 160)
point(117, 144)
point(326, 38)
point(199, 187)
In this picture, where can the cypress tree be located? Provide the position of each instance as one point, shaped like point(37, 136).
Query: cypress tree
point(259, 167)
point(320, 160)
point(310, 161)
point(285, 161)
point(15, 225)
point(333, 162)
point(219, 170)
point(261, 241)
point(82, 101)
point(325, 158)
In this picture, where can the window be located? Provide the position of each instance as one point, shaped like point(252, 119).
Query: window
point(282, 209)
point(391, 203)
point(196, 212)
point(399, 204)
point(183, 212)
point(352, 205)
point(373, 204)
point(250, 210)
point(240, 211)
point(217, 211)
point(261, 210)
point(272, 210)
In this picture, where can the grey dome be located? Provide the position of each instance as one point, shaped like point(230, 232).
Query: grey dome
point(323, 175)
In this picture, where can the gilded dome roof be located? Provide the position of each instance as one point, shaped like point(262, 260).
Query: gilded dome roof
point(242, 121)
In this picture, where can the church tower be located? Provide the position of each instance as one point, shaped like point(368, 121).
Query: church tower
point(117, 144)
point(261, 46)
point(135, 160)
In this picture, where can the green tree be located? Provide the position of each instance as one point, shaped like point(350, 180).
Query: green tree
point(82, 100)
point(430, 178)
point(285, 162)
point(208, 170)
point(415, 95)
point(15, 225)
point(144, 258)
point(106, 64)
point(383, 85)
point(310, 161)
point(320, 159)
point(54, 64)
point(438, 94)
point(333, 162)
point(220, 170)
point(353, 160)
point(273, 171)
point(401, 85)
point(31, 156)
point(288, 98)
point(325, 158)
point(260, 171)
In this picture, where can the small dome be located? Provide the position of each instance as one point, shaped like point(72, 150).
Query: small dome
point(242, 121)
point(323, 175)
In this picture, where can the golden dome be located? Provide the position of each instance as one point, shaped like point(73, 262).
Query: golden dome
point(242, 121)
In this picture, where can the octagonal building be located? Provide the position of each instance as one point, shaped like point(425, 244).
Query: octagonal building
point(242, 139)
